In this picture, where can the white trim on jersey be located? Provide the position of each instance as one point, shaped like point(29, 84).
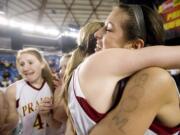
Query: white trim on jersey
point(82, 122)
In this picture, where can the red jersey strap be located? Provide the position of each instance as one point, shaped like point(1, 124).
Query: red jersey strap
point(160, 129)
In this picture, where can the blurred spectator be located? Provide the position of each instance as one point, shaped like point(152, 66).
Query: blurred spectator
point(53, 61)
point(8, 71)
point(5, 82)
point(63, 64)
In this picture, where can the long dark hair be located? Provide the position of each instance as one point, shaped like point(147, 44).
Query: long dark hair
point(142, 23)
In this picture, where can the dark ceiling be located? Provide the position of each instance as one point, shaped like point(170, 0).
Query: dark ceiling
point(59, 14)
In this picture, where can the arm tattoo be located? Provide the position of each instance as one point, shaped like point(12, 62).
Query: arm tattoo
point(130, 102)
point(120, 122)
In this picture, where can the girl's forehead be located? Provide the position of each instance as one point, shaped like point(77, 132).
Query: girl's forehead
point(27, 56)
point(114, 15)
point(117, 17)
point(118, 13)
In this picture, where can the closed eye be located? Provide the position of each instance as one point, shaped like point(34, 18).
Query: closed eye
point(108, 27)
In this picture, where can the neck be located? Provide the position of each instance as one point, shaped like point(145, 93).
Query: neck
point(37, 83)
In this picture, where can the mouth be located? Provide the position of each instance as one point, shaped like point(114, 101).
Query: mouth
point(98, 46)
point(28, 74)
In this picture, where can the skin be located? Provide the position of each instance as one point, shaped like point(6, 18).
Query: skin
point(4, 125)
point(31, 68)
point(112, 35)
point(143, 99)
point(109, 39)
point(4, 110)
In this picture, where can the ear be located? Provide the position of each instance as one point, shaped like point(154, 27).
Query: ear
point(137, 44)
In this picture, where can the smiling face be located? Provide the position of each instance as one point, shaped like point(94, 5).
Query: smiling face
point(112, 34)
point(30, 67)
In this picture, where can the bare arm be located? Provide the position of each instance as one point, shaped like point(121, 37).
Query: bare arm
point(3, 108)
point(12, 118)
point(122, 62)
point(59, 112)
point(104, 69)
point(145, 94)
point(3, 113)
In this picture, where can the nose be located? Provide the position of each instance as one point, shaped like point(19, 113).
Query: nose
point(25, 67)
point(98, 34)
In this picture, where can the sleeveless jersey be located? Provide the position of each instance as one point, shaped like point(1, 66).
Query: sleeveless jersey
point(27, 99)
point(85, 117)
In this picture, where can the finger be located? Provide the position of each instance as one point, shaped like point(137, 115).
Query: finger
point(45, 106)
point(47, 100)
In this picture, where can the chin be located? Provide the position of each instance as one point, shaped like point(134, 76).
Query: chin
point(29, 80)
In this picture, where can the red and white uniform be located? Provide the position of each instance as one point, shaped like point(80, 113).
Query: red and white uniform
point(85, 117)
point(28, 98)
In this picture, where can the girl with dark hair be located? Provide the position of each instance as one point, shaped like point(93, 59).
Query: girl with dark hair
point(90, 88)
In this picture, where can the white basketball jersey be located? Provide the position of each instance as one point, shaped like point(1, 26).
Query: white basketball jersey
point(28, 98)
point(83, 115)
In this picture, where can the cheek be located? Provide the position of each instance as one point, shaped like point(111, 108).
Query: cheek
point(112, 41)
point(118, 42)
point(37, 66)
point(38, 69)
point(20, 70)
point(106, 43)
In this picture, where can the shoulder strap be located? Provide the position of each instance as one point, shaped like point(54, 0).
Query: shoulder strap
point(70, 129)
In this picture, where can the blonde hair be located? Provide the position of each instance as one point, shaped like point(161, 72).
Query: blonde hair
point(86, 40)
point(86, 31)
point(86, 46)
point(46, 71)
point(66, 56)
